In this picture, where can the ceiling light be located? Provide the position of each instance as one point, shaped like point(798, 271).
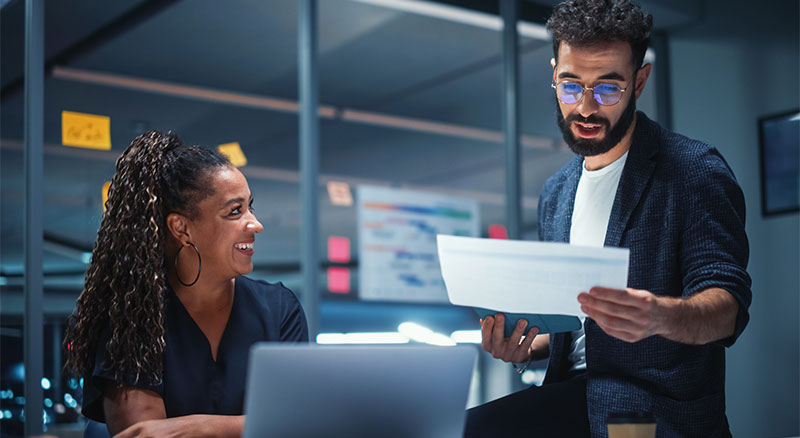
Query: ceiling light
point(423, 334)
point(466, 336)
point(361, 338)
point(460, 15)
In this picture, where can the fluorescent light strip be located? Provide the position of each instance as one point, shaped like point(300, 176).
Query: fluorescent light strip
point(460, 15)
point(188, 91)
point(361, 338)
point(422, 126)
point(423, 334)
point(466, 336)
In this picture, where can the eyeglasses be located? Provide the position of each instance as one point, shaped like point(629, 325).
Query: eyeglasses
point(569, 92)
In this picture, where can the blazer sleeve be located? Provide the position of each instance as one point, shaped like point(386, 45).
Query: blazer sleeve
point(714, 246)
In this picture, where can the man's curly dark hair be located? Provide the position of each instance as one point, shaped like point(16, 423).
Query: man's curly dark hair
point(126, 282)
point(585, 23)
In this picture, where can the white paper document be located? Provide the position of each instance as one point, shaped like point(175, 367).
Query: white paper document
point(526, 277)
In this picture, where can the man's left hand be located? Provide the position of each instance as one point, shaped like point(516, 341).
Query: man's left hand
point(627, 314)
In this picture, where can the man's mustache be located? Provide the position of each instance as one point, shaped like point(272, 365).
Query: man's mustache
point(593, 119)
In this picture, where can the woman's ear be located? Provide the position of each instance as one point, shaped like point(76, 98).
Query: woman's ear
point(178, 227)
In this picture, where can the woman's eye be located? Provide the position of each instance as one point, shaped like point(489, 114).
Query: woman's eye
point(236, 211)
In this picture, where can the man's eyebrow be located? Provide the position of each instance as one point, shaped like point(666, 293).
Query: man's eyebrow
point(614, 76)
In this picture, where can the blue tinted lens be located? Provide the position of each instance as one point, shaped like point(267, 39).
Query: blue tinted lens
point(606, 89)
point(571, 87)
point(569, 92)
point(607, 94)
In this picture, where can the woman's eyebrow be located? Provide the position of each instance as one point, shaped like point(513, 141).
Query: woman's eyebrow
point(234, 201)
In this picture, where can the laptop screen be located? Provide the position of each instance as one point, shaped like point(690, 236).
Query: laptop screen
point(311, 390)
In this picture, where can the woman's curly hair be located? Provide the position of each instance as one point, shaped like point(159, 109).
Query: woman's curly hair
point(588, 22)
point(126, 281)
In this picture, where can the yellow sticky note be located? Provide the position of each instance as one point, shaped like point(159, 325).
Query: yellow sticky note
point(85, 130)
point(105, 193)
point(234, 153)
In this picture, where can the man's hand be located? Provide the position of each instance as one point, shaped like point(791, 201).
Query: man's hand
point(632, 314)
point(508, 349)
point(627, 314)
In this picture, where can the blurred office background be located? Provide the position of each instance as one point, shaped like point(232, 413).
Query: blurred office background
point(411, 99)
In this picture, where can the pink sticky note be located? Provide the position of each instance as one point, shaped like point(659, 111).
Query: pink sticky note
point(339, 280)
point(497, 232)
point(339, 249)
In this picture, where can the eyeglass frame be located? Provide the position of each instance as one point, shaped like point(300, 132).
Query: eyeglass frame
point(622, 91)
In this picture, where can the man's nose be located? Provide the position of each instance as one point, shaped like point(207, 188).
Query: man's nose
point(588, 105)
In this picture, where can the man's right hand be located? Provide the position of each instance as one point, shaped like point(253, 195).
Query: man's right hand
point(508, 349)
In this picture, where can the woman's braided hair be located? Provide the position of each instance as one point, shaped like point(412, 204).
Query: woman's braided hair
point(126, 281)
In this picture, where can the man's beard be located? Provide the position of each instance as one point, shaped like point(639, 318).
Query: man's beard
point(588, 147)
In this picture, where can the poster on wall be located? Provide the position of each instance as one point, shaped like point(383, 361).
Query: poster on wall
point(397, 242)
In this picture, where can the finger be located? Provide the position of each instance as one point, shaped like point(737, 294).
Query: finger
point(610, 307)
point(127, 433)
point(498, 335)
point(608, 294)
point(512, 343)
point(487, 324)
point(525, 347)
point(631, 297)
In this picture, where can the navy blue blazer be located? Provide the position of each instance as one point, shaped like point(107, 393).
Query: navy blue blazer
point(680, 211)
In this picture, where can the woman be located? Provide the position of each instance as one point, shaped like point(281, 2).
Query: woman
point(166, 319)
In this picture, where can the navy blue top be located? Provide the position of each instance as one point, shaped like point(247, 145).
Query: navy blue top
point(193, 383)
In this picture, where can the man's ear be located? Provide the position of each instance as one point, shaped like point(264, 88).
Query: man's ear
point(641, 78)
point(178, 227)
point(553, 63)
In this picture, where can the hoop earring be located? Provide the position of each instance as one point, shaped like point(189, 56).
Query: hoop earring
point(199, 265)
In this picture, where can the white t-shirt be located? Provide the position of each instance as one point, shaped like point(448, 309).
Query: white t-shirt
point(593, 202)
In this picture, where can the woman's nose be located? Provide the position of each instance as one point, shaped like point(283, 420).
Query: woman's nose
point(255, 226)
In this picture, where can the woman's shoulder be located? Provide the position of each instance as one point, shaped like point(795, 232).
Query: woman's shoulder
point(265, 293)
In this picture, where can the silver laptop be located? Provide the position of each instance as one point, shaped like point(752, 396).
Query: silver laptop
point(357, 391)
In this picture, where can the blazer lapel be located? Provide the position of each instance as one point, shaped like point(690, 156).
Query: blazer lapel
point(563, 216)
point(635, 176)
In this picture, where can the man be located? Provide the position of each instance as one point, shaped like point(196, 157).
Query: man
point(657, 346)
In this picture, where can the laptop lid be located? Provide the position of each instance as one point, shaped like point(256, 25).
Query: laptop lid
point(302, 390)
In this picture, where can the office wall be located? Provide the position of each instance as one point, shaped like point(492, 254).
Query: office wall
point(739, 63)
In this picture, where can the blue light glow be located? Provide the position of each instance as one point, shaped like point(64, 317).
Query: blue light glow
point(70, 401)
point(48, 403)
point(18, 372)
point(45, 383)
